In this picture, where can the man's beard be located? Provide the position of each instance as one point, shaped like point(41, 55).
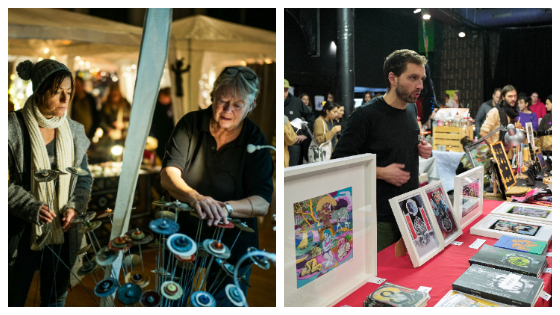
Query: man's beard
point(402, 94)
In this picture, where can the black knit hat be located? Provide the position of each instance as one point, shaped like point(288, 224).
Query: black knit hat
point(39, 71)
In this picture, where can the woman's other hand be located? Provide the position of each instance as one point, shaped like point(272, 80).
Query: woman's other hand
point(210, 209)
point(46, 215)
point(69, 215)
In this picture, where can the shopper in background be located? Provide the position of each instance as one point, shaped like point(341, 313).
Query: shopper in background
point(294, 108)
point(537, 106)
point(322, 133)
point(84, 109)
point(546, 122)
point(368, 96)
point(115, 114)
point(525, 115)
point(485, 108)
point(504, 114)
point(305, 99)
point(330, 97)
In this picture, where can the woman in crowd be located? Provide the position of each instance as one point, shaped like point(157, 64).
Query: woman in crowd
point(289, 140)
point(505, 113)
point(322, 133)
point(546, 122)
point(115, 114)
point(525, 115)
point(367, 97)
point(41, 137)
point(207, 166)
point(305, 99)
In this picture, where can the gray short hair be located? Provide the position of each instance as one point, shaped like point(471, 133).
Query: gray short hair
point(241, 87)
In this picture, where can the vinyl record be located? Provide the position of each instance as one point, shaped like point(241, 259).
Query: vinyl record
point(140, 237)
point(181, 245)
point(217, 249)
point(129, 294)
point(121, 243)
point(87, 268)
point(234, 295)
point(108, 213)
point(106, 257)
point(81, 219)
point(171, 290)
point(259, 260)
point(139, 278)
point(164, 227)
point(77, 171)
point(106, 287)
point(202, 299)
point(150, 299)
point(90, 227)
point(45, 176)
point(186, 259)
point(40, 242)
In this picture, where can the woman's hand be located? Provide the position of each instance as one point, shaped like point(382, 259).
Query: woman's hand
point(46, 215)
point(69, 215)
point(337, 129)
point(208, 208)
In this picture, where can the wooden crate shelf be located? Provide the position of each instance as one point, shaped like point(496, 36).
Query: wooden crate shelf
point(451, 137)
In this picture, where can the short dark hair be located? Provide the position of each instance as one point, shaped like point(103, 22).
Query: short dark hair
point(165, 91)
point(51, 85)
point(497, 90)
point(367, 93)
point(549, 98)
point(397, 62)
point(524, 97)
point(302, 95)
point(329, 106)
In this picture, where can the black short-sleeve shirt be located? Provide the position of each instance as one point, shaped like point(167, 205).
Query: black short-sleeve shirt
point(226, 175)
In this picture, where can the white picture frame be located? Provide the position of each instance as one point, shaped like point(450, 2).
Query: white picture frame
point(311, 180)
point(469, 208)
point(423, 241)
point(530, 134)
point(505, 210)
point(456, 229)
point(486, 228)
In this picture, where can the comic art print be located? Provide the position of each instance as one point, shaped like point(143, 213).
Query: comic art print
point(515, 227)
point(324, 234)
point(470, 196)
point(529, 212)
point(442, 210)
point(418, 224)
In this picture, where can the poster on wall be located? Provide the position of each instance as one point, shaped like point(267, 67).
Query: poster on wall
point(418, 223)
point(319, 103)
point(324, 234)
point(452, 99)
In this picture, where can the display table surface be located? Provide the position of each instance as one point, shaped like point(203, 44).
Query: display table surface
point(439, 273)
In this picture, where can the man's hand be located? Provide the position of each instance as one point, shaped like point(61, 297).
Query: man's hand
point(424, 150)
point(300, 139)
point(394, 174)
point(69, 215)
point(46, 215)
point(207, 207)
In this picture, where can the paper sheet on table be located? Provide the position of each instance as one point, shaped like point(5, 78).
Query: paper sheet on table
point(296, 123)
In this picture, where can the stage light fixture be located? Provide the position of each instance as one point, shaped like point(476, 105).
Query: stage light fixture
point(426, 16)
point(462, 34)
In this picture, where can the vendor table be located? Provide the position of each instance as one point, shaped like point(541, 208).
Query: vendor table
point(439, 273)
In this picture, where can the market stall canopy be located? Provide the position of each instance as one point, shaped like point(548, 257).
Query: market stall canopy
point(208, 34)
point(30, 31)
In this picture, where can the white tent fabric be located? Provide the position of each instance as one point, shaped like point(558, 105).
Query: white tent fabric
point(208, 45)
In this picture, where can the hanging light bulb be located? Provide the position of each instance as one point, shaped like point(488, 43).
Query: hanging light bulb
point(417, 11)
point(462, 34)
point(46, 51)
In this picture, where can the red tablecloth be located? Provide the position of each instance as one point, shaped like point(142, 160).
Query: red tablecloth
point(439, 273)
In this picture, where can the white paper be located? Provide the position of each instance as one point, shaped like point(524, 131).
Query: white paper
point(511, 280)
point(296, 123)
point(425, 289)
point(548, 270)
point(457, 243)
point(451, 301)
point(549, 254)
point(376, 280)
point(477, 244)
point(545, 295)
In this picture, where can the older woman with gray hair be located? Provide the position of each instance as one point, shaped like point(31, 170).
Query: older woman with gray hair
point(42, 138)
point(207, 166)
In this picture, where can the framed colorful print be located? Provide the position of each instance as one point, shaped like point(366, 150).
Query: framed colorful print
point(468, 197)
point(330, 231)
point(530, 134)
point(439, 204)
point(539, 158)
point(495, 226)
point(523, 211)
point(418, 227)
point(506, 173)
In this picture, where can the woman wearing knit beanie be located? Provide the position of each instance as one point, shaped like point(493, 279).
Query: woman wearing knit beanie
point(41, 137)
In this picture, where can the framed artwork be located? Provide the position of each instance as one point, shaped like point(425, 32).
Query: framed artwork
point(539, 157)
point(323, 227)
point(506, 173)
point(530, 134)
point(468, 196)
point(418, 226)
point(523, 211)
point(441, 207)
point(494, 226)
point(330, 230)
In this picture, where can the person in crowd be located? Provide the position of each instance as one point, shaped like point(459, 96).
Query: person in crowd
point(546, 122)
point(485, 108)
point(41, 137)
point(525, 115)
point(162, 123)
point(84, 109)
point(338, 122)
point(294, 108)
point(322, 131)
point(505, 113)
point(305, 99)
point(454, 103)
point(371, 129)
point(289, 139)
point(445, 104)
point(368, 96)
point(115, 114)
point(11, 106)
point(330, 97)
point(537, 106)
point(207, 166)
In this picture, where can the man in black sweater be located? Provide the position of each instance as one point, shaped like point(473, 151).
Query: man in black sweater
point(294, 108)
point(485, 108)
point(387, 127)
